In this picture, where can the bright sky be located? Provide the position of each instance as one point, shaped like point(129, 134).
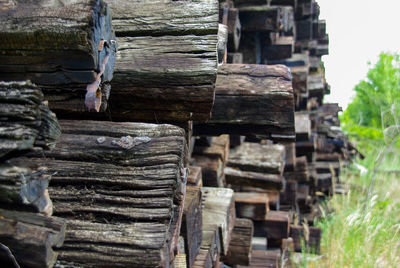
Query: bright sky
point(358, 31)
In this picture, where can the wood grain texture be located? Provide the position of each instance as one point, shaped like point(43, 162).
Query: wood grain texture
point(54, 43)
point(121, 186)
point(251, 205)
point(252, 100)
point(239, 252)
point(25, 121)
point(32, 238)
point(219, 213)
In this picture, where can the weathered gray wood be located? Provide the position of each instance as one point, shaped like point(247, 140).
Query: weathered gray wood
point(110, 176)
point(55, 42)
point(222, 43)
point(25, 121)
point(240, 246)
point(25, 189)
point(252, 100)
point(31, 238)
point(219, 213)
point(262, 158)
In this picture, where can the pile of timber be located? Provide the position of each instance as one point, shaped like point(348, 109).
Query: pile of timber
point(234, 179)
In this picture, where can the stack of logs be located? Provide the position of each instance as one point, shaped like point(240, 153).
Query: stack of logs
point(189, 133)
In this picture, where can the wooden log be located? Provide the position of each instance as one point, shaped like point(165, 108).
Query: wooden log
point(237, 178)
point(250, 205)
point(64, 46)
point(219, 213)
point(264, 258)
point(307, 235)
point(275, 225)
point(25, 121)
point(121, 186)
point(191, 229)
point(31, 238)
point(253, 157)
point(252, 100)
point(239, 252)
point(167, 60)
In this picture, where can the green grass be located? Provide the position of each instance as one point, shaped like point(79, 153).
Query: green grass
point(359, 233)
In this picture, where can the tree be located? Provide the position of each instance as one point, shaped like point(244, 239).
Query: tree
point(374, 107)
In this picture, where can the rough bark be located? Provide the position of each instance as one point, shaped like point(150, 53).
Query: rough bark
point(252, 100)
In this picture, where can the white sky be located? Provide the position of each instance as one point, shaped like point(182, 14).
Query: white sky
point(358, 31)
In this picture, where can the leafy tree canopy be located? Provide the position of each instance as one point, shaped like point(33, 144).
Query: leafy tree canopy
point(376, 105)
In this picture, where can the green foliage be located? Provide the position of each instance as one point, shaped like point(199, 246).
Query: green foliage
point(376, 103)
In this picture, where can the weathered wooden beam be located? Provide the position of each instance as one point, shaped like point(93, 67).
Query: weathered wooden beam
point(252, 100)
point(26, 121)
point(191, 229)
point(195, 177)
point(237, 178)
point(167, 60)
point(251, 205)
point(262, 158)
point(239, 252)
point(219, 213)
point(121, 186)
point(276, 225)
point(59, 48)
point(222, 43)
point(289, 195)
point(239, 3)
point(264, 258)
point(234, 29)
point(31, 238)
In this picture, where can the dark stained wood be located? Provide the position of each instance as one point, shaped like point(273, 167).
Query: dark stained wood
point(252, 100)
point(239, 3)
point(219, 214)
point(239, 252)
point(282, 48)
point(234, 29)
point(167, 59)
point(212, 169)
point(191, 229)
point(250, 205)
point(266, 18)
point(234, 57)
point(55, 51)
point(275, 225)
point(289, 196)
point(32, 238)
point(118, 184)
